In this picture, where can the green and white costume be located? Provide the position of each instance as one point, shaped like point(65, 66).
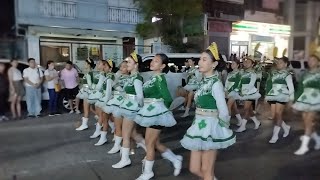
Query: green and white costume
point(133, 99)
point(279, 86)
point(106, 91)
point(307, 96)
point(86, 83)
point(157, 100)
point(193, 79)
point(210, 128)
point(232, 84)
point(97, 86)
point(113, 105)
point(248, 91)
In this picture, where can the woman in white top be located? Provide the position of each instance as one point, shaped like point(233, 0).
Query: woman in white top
point(17, 90)
point(52, 77)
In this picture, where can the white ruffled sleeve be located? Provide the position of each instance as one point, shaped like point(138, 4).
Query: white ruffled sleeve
point(219, 96)
point(198, 75)
point(253, 79)
point(108, 89)
point(139, 92)
point(290, 86)
point(102, 78)
point(88, 78)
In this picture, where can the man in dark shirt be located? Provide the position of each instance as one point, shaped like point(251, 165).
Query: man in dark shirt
point(4, 86)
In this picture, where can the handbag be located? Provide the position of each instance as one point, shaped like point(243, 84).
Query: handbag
point(57, 87)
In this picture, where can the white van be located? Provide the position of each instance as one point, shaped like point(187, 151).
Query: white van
point(299, 67)
point(173, 79)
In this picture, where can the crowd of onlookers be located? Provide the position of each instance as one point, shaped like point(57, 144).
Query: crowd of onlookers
point(16, 85)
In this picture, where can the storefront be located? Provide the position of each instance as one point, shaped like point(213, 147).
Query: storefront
point(78, 50)
point(76, 45)
point(246, 35)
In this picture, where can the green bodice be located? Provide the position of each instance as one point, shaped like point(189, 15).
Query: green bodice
point(192, 78)
point(129, 83)
point(309, 80)
point(246, 76)
point(233, 80)
point(108, 76)
point(120, 82)
point(86, 78)
point(157, 88)
point(203, 97)
point(96, 76)
point(276, 77)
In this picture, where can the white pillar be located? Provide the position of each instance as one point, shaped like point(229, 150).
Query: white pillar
point(291, 19)
point(309, 26)
point(33, 47)
point(139, 45)
point(119, 52)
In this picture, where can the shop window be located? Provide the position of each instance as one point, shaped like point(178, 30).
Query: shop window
point(298, 43)
point(54, 53)
point(296, 64)
point(83, 51)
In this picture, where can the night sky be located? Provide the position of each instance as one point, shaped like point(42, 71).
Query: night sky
point(7, 16)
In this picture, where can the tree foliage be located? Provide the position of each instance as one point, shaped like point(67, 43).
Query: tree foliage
point(173, 14)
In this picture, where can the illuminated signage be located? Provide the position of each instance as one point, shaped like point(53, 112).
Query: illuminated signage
point(261, 28)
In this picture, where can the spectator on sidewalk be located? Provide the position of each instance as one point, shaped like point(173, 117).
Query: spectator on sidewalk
point(70, 78)
point(17, 90)
point(52, 78)
point(33, 78)
point(3, 92)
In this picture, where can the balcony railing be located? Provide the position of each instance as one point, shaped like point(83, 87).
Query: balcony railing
point(59, 9)
point(123, 15)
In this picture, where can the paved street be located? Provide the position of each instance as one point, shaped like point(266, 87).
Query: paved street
point(50, 148)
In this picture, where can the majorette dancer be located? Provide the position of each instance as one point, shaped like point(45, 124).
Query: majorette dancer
point(248, 93)
point(106, 96)
point(232, 91)
point(133, 100)
point(86, 81)
point(209, 131)
point(154, 115)
point(279, 91)
point(92, 93)
point(307, 100)
point(113, 105)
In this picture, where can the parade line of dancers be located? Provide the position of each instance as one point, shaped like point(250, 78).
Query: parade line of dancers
point(127, 100)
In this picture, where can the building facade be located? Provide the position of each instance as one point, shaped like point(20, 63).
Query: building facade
point(219, 18)
point(304, 18)
point(76, 29)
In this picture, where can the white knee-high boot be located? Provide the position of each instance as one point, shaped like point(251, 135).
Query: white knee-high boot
point(316, 138)
point(117, 145)
point(257, 123)
point(304, 145)
point(238, 116)
point(84, 124)
point(176, 160)
point(103, 138)
point(125, 160)
point(275, 135)
point(186, 113)
point(142, 144)
point(147, 172)
point(111, 125)
point(97, 132)
point(242, 126)
point(286, 128)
